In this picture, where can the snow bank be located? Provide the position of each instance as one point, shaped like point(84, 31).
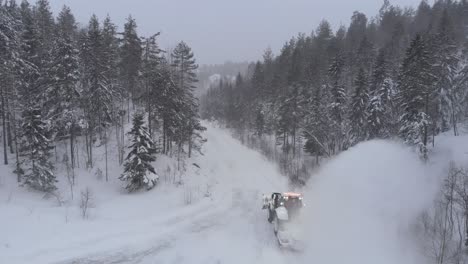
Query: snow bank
point(362, 204)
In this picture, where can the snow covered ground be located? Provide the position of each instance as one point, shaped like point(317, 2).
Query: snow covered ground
point(360, 209)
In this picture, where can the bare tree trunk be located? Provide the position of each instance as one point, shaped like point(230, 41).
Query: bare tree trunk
point(87, 148)
point(294, 142)
point(91, 150)
point(18, 174)
point(178, 155)
point(5, 149)
point(128, 109)
point(454, 122)
point(425, 129)
point(190, 145)
point(105, 146)
point(122, 141)
point(10, 140)
point(164, 136)
point(117, 137)
point(72, 151)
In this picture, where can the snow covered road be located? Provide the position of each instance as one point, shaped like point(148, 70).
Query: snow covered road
point(229, 228)
point(360, 208)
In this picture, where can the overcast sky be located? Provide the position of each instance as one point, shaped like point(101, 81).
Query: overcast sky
point(220, 30)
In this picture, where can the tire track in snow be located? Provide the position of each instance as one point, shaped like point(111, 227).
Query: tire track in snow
point(234, 219)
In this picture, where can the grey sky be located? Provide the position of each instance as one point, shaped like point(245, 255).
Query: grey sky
point(220, 30)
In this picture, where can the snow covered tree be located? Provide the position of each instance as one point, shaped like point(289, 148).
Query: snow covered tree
point(36, 147)
point(151, 75)
point(99, 94)
point(358, 114)
point(415, 90)
point(9, 62)
point(130, 57)
point(317, 124)
point(445, 61)
point(290, 114)
point(379, 109)
point(63, 95)
point(139, 172)
point(66, 22)
point(185, 77)
point(338, 99)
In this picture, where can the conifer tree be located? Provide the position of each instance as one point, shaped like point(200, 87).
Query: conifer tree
point(415, 90)
point(185, 77)
point(36, 147)
point(358, 114)
point(63, 94)
point(379, 109)
point(138, 172)
point(338, 99)
point(130, 58)
point(99, 94)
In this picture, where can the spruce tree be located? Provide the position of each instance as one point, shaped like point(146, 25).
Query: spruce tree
point(445, 61)
point(138, 172)
point(130, 57)
point(185, 77)
point(36, 147)
point(337, 106)
point(98, 103)
point(151, 74)
point(358, 114)
point(415, 90)
point(379, 109)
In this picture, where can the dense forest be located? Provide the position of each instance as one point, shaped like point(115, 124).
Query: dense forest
point(62, 83)
point(402, 73)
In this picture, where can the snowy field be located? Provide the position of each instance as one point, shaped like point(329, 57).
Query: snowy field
point(361, 207)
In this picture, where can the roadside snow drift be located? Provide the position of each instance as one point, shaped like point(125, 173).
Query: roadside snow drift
point(362, 205)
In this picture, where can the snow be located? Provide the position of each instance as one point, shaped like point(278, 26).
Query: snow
point(360, 208)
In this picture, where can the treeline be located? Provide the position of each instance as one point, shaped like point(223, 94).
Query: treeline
point(400, 74)
point(59, 83)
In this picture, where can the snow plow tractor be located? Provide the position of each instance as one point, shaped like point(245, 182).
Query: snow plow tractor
point(283, 212)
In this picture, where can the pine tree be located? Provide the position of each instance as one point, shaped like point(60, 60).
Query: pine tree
point(9, 62)
point(63, 95)
point(379, 110)
point(151, 74)
point(36, 146)
point(358, 114)
point(415, 89)
point(290, 114)
point(185, 77)
point(98, 103)
point(66, 23)
point(338, 101)
point(445, 62)
point(139, 172)
point(317, 124)
point(130, 57)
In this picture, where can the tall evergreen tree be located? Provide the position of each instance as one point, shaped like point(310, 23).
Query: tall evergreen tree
point(445, 63)
point(185, 77)
point(338, 99)
point(380, 111)
point(415, 90)
point(63, 94)
point(358, 114)
point(99, 95)
point(130, 57)
point(151, 73)
point(36, 147)
point(138, 172)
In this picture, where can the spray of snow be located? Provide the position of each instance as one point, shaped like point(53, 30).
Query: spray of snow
point(362, 205)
